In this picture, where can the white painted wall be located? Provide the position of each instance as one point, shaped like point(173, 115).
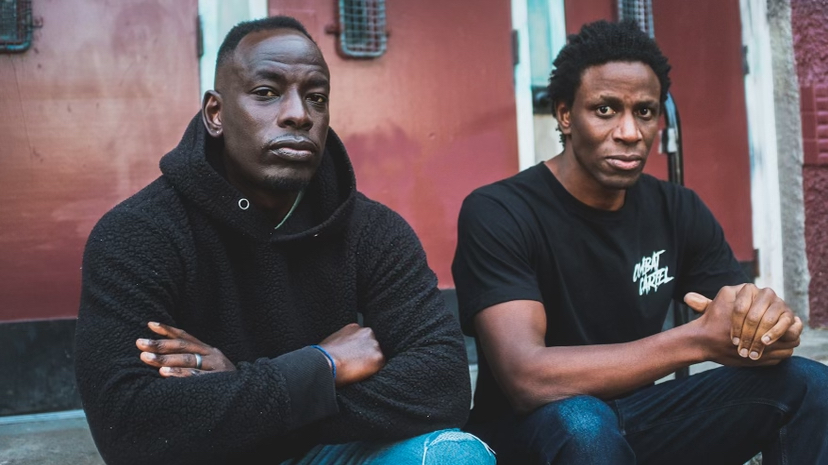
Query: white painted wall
point(523, 87)
point(217, 18)
point(764, 166)
point(789, 147)
point(537, 138)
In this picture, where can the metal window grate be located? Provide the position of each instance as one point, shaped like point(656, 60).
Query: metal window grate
point(640, 11)
point(15, 25)
point(362, 31)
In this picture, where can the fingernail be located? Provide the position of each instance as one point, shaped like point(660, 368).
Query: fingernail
point(766, 339)
point(754, 355)
point(149, 355)
point(166, 370)
point(154, 323)
point(736, 341)
point(144, 341)
point(743, 353)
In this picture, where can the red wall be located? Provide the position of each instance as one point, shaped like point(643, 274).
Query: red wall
point(85, 114)
point(809, 20)
point(109, 86)
point(702, 40)
point(580, 12)
point(430, 120)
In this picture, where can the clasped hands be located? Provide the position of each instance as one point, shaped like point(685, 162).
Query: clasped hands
point(746, 325)
point(354, 349)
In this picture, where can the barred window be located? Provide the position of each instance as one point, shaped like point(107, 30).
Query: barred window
point(362, 32)
point(640, 11)
point(15, 25)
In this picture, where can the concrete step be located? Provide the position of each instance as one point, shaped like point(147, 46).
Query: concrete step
point(47, 439)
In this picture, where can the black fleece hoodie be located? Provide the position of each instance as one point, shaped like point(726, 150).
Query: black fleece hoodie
point(182, 252)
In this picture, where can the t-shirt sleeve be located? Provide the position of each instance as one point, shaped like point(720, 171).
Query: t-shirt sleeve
point(707, 263)
point(492, 263)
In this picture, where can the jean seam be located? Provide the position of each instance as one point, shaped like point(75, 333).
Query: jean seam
point(621, 426)
point(783, 408)
point(783, 449)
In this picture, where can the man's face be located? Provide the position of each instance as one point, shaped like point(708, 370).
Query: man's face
point(272, 109)
point(612, 124)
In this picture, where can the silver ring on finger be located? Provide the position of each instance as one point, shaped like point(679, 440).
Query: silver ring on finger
point(198, 361)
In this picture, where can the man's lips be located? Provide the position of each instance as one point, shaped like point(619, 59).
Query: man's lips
point(625, 162)
point(292, 148)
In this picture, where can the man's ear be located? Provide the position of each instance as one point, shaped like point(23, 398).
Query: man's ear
point(211, 113)
point(563, 114)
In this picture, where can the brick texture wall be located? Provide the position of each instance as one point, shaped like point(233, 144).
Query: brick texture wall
point(809, 20)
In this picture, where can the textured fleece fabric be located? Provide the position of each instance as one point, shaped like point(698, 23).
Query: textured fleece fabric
point(182, 252)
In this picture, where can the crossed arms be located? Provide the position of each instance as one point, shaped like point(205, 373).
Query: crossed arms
point(407, 375)
point(355, 351)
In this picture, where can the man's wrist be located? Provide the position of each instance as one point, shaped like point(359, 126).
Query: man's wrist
point(694, 341)
point(331, 362)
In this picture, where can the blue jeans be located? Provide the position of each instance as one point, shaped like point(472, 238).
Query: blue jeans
point(721, 416)
point(445, 447)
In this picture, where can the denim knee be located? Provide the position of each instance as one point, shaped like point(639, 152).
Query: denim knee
point(587, 419)
point(456, 447)
point(590, 431)
point(808, 378)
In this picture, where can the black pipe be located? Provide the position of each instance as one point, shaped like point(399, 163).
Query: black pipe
point(671, 144)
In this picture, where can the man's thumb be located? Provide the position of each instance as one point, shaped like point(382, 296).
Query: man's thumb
point(696, 301)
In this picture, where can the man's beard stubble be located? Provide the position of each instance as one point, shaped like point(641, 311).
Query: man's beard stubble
point(282, 184)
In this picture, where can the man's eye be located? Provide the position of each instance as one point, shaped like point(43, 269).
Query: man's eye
point(265, 93)
point(604, 110)
point(318, 99)
point(646, 113)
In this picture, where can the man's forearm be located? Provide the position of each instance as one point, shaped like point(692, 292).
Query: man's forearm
point(402, 400)
point(604, 371)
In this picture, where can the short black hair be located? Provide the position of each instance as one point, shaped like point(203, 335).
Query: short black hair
point(599, 43)
point(239, 31)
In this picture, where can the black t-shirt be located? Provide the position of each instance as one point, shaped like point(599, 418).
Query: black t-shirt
point(602, 276)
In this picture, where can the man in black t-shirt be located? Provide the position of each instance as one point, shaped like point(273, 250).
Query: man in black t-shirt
point(565, 272)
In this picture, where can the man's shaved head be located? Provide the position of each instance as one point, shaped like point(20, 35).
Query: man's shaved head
point(241, 30)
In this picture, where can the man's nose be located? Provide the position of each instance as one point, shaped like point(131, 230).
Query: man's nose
point(628, 130)
point(293, 111)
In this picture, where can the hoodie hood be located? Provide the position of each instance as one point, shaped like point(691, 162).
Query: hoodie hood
point(324, 209)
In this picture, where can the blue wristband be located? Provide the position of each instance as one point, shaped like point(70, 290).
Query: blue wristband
point(330, 359)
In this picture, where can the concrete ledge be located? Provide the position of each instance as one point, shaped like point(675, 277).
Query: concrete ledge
point(814, 345)
point(46, 439)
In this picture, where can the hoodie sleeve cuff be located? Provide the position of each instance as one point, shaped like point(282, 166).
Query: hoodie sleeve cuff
point(310, 385)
